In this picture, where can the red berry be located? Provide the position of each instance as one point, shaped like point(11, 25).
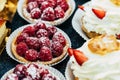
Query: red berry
point(42, 33)
point(40, 1)
point(64, 6)
point(60, 1)
point(31, 55)
point(48, 14)
point(56, 48)
point(48, 77)
point(31, 5)
point(60, 38)
point(39, 25)
point(51, 31)
point(59, 12)
point(43, 71)
point(44, 41)
point(30, 30)
point(20, 70)
point(12, 76)
point(45, 5)
point(35, 13)
point(53, 2)
point(22, 37)
point(27, 78)
point(118, 36)
point(33, 43)
point(21, 48)
point(45, 54)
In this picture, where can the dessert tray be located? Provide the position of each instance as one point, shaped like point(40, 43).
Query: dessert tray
point(56, 22)
point(76, 22)
point(51, 70)
point(16, 32)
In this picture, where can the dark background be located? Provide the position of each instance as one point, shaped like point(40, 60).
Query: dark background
point(6, 63)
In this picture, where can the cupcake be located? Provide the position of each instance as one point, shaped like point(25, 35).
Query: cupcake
point(102, 63)
point(101, 17)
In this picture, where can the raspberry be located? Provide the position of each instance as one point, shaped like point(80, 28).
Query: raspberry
point(56, 49)
point(40, 1)
point(53, 2)
point(30, 30)
point(12, 77)
point(35, 13)
point(51, 31)
point(31, 5)
point(33, 71)
point(48, 14)
point(39, 25)
point(60, 1)
point(64, 6)
point(27, 78)
point(33, 43)
point(20, 70)
point(22, 37)
point(30, 1)
point(59, 12)
point(48, 77)
point(45, 5)
point(60, 38)
point(43, 71)
point(45, 54)
point(21, 48)
point(42, 33)
point(31, 55)
point(44, 41)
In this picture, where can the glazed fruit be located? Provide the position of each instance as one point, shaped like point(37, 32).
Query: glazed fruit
point(30, 72)
point(31, 5)
point(39, 42)
point(35, 13)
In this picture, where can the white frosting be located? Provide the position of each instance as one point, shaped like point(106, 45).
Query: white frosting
point(109, 24)
point(98, 67)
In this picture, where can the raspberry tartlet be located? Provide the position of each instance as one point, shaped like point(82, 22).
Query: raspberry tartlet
point(40, 43)
point(50, 11)
point(32, 71)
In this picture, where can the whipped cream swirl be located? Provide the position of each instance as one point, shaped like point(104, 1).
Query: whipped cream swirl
point(110, 24)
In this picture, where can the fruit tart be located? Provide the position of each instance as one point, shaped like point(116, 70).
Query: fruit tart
point(97, 59)
point(101, 17)
point(40, 43)
point(32, 71)
point(50, 11)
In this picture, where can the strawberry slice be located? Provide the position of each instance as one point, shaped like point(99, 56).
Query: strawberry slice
point(70, 51)
point(99, 13)
point(80, 57)
point(81, 7)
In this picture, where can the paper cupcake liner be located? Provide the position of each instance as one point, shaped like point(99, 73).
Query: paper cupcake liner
point(57, 22)
point(16, 32)
point(54, 71)
point(77, 23)
point(68, 71)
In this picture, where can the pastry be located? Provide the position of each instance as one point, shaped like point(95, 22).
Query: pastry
point(50, 11)
point(97, 59)
point(40, 43)
point(31, 71)
point(101, 17)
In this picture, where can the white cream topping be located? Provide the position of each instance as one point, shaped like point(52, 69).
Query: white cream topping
point(109, 24)
point(98, 67)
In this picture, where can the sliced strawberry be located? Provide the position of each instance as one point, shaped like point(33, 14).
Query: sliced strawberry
point(80, 57)
point(99, 13)
point(70, 51)
point(81, 7)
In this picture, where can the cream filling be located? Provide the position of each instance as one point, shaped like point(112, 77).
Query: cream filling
point(109, 24)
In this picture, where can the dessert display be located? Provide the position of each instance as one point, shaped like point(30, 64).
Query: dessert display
point(38, 42)
point(101, 17)
point(97, 59)
point(33, 71)
point(49, 11)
